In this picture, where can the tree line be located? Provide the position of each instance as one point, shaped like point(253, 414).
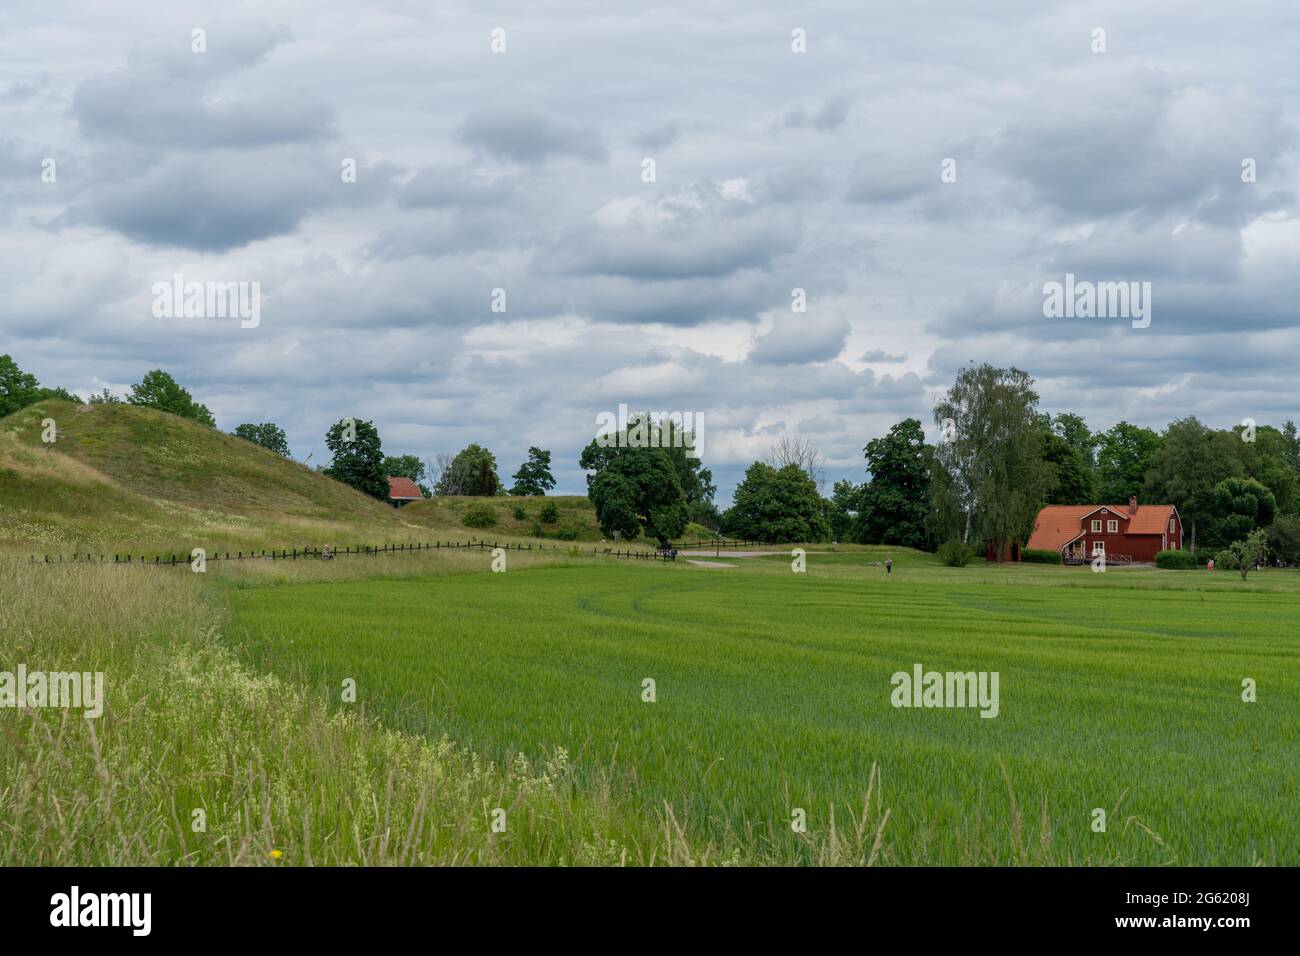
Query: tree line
point(996, 461)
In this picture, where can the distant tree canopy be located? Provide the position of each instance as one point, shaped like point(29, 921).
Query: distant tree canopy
point(1124, 453)
point(1184, 471)
point(534, 475)
point(1071, 476)
point(358, 457)
point(268, 434)
point(801, 451)
point(473, 471)
point(778, 506)
point(407, 466)
point(1194, 460)
point(1241, 507)
point(989, 476)
point(844, 504)
point(1284, 538)
point(18, 389)
point(159, 390)
point(894, 506)
point(1074, 431)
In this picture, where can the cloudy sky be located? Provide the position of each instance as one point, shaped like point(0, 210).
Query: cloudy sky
point(774, 170)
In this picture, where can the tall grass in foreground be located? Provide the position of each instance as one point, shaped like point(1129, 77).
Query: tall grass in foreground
point(279, 778)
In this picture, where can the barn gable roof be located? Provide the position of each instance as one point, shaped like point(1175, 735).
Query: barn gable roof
point(403, 489)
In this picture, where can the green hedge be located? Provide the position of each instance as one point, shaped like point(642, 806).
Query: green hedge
point(1040, 556)
point(1176, 560)
point(479, 516)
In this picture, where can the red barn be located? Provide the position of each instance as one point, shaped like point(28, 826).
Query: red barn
point(1133, 532)
point(403, 490)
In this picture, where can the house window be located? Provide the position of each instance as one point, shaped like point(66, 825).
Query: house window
point(1112, 526)
point(1098, 547)
point(1171, 525)
point(1096, 526)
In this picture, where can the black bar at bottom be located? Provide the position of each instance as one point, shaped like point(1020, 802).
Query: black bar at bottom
point(1226, 906)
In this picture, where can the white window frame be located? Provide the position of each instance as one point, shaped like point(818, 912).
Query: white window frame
point(1112, 526)
point(1098, 547)
point(1096, 526)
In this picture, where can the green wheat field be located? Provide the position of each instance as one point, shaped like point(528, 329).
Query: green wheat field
point(504, 718)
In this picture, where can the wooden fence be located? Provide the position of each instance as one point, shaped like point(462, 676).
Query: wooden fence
point(701, 544)
point(293, 554)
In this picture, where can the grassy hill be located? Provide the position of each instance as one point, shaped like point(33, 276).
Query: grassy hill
point(121, 478)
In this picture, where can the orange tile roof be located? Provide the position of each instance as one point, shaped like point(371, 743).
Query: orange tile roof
point(1058, 525)
point(400, 489)
point(1151, 519)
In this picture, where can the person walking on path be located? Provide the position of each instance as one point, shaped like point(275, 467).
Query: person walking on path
point(889, 565)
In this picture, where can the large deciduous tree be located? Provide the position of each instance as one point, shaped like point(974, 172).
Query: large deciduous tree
point(989, 476)
point(894, 506)
point(534, 475)
point(473, 471)
point(635, 490)
point(778, 506)
point(358, 457)
point(1184, 470)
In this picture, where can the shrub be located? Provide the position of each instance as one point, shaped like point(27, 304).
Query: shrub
point(955, 554)
point(537, 531)
point(1176, 560)
point(1040, 556)
point(550, 513)
point(567, 534)
point(520, 513)
point(479, 516)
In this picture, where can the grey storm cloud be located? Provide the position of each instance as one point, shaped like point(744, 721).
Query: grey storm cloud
point(800, 338)
point(523, 137)
point(172, 96)
point(222, 200)
point(829, 116)
point(1138, 142)
point(523, 173)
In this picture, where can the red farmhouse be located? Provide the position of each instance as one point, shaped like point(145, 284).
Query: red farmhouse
point(1133, 532)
